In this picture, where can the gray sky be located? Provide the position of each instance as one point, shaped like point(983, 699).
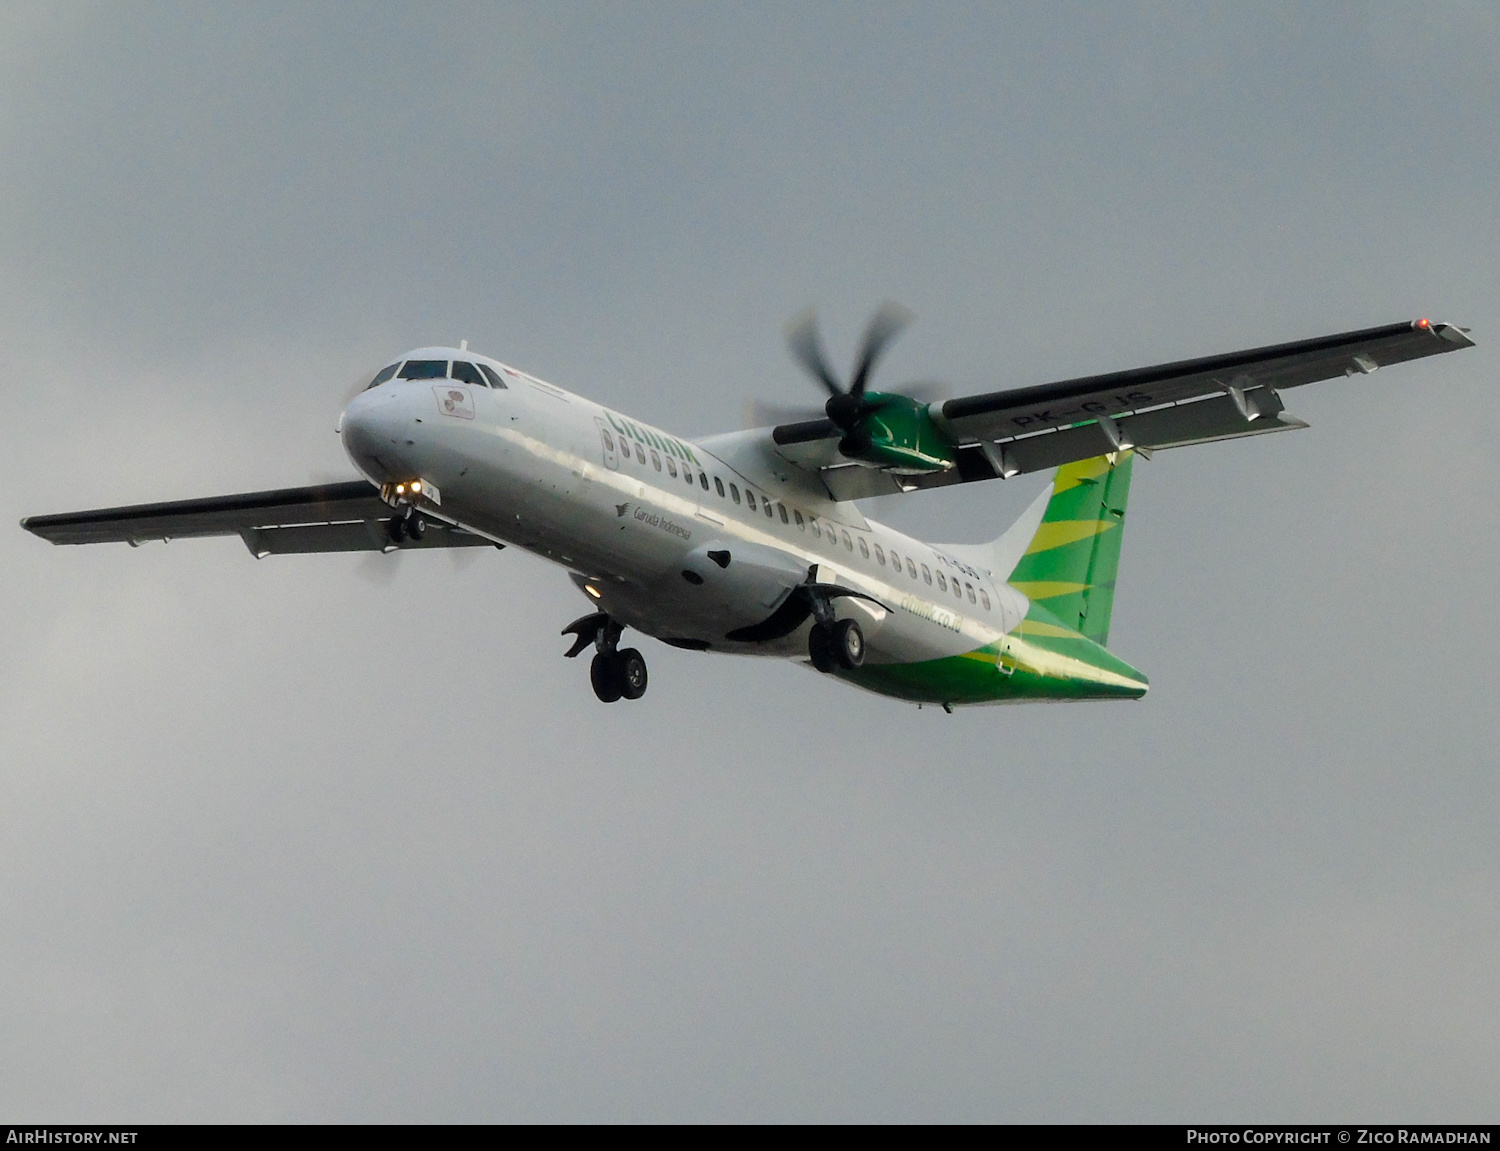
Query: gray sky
point(314, 838)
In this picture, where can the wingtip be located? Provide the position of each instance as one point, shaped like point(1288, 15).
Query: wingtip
point(1453, 333)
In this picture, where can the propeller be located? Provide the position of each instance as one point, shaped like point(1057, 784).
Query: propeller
point(380, 569)
point(847, 406)
point(355, 386)
point(764, 414)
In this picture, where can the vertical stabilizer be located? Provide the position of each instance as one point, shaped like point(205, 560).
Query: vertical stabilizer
point(1069, 566)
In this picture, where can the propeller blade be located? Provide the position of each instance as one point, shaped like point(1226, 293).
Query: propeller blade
point(463, 559)
point(925, 391)
point(760, 414)
point(355, 387)
point(379, 570)
point(885, 325)
point(807, 349)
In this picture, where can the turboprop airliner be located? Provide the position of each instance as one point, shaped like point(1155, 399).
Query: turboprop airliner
point(752, 542)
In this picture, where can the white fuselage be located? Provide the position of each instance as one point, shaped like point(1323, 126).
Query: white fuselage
point(643, 520)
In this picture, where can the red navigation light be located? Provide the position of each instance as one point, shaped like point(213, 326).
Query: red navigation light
point(1422, 323)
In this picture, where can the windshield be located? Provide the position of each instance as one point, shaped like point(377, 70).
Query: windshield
point(424, 370)
point(479, 374)
point(468, 373)
point(381, 376)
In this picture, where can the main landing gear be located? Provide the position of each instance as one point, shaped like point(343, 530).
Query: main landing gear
point(834, 644)
point(614, 674)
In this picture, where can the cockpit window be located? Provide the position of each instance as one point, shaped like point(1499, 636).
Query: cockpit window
point(492, 375)
point(384, 374)
point(468, 373)
point(425, 370)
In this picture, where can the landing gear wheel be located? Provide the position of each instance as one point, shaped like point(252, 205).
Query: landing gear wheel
point(416, 526)
point(848, 644)
point(396, 529)
point(820, 648)
point(604, 674)
point(630, 668)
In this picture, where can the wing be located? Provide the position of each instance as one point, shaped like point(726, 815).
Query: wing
point(1222, 397)
point(347, 517)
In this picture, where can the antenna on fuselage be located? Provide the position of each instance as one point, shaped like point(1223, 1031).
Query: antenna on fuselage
point(463, 345)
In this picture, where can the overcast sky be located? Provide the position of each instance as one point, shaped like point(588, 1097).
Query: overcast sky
point(343, 838)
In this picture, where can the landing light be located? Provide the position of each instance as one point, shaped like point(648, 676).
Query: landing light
point(592, 590)
point(416, 487)
point(400, 489)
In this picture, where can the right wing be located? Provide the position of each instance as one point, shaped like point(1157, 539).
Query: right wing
point(346, 517)
point(1001, 434)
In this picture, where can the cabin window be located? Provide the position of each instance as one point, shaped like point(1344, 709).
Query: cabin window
point(609, 441)
point(655, 460)
point(942, 582)
point(801, 525)
point(491, 375)
point(864, 548)
point(734, 492)
point(765, 502)
point(687, 474)
point(381, 377)
point(984, 599)
point(781, 511)
point(671, 467)
point(703, 480)
point(968, 587)
point(425, 370)
point(911, 568)
point(879, 555)
point(817, 530)
point(468, 373)
point(719, 485)
point(895, 560)
point(926, 574)
point(750, 499)
point(848, 543)
point(640, 454)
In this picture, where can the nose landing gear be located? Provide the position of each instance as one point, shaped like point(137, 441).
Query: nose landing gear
point(614, 674)
point(407, 525)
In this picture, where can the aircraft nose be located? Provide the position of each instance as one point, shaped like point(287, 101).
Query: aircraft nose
point(375, 433)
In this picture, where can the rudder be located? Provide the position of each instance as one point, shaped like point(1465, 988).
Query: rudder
point(1071, 563)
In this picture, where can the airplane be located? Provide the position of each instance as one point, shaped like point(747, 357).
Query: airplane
point(751, 542)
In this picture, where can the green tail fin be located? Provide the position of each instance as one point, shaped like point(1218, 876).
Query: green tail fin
point(1070, 565)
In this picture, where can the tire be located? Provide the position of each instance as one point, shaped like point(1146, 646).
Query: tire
point(848, 644)
point(820, 648)
point(630, 668)
point(396, 529)
point(604, 675)
point(416, 526)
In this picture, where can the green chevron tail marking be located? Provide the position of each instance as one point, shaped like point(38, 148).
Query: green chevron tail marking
point(1070, 566)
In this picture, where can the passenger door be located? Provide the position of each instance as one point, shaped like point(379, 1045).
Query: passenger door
point(607, 445)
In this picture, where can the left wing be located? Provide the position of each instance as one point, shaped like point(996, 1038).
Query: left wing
point(344, 517)
point(1007, 433)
